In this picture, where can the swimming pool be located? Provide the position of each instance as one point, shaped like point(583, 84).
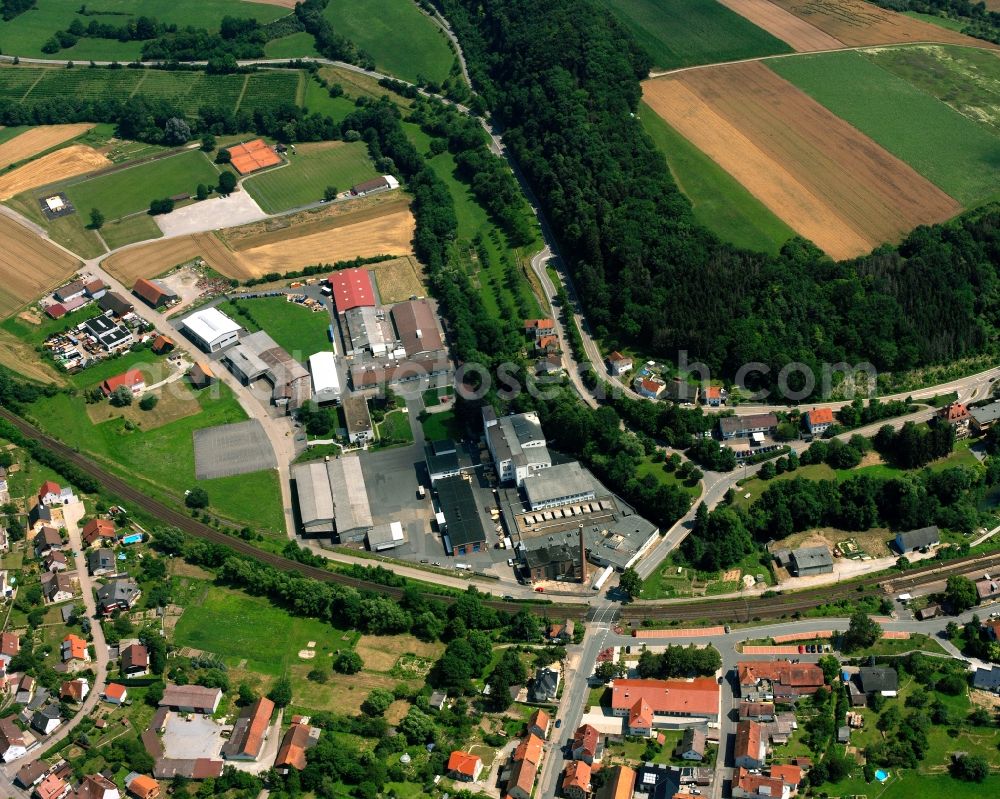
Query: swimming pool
point(881, 776)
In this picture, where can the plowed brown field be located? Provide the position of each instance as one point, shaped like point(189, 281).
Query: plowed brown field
point(65, 163)
point(150, 260)
point(37, 140)
point(799, 34)
point(29, 266)
point(827, 180)
point(857, 23)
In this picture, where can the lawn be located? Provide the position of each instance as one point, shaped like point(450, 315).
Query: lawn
point(129, 230)
point(298, 330)
point(671, 580)
point(719, 201)
point(887, 108)
point(647, 466)
point(395, 427)
point(441, 425)
point(309, 172)
point(25, 34)
point(966, 79)
point(318, 100)
point(132, 189)
point(755, 486)
point(403, 40)
point(683, 33)
point(230, 624)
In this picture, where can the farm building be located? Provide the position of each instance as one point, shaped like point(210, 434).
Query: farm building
point(252, 156)
point(250, 731)
point(913, 540)
point(375, 185)
point(95, 289)
point(299, 738)
point(70, 291)
point(332, 498)
point(211, 329)
point(352, 288)
point(416, 327)
point(191, 699)
point(56, 310)
point(154, 292)
point(325, 377)
point(463, 526)
point(357, 418)
point(201, 375)
point(132, 378)
point(116, 303)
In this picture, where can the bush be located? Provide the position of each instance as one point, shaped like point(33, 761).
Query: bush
point(148, 402)
point(196, 498)
point(348, 662)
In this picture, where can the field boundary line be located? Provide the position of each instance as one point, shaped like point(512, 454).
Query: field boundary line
point(32, 86)
point(142, 80)
point(300, 90)
point(243, 91)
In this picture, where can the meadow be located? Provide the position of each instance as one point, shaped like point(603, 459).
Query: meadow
point(188, 90)
point(402, 39)
point(888, 109)
point(130, 190)
point(310, 170)
point(318, 100)
point(688, 32)
point(966, 79)
point(718, 200)
point(140, 227)
point(300, 331)
point(294, 45)
point(27, 33)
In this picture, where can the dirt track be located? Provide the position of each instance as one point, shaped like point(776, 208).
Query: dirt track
point(157, 257)
point(796, 32)
point(856, 22)
point(65, 163)
point(37, 140)
point(828, 181)
point(29, 266)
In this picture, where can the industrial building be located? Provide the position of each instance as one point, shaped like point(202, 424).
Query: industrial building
point(386, 536)
point(517, 446)
point(463, 529)
point(563, 484)
point(369, 331)
point(211, 329)
point(258, 355)
point(442, 460)
point(425, 366)
point(109, 335)
point(351, 288)
point(805, 561)
point(326, 379)
point(416, 327)
point(332, 498)
point(357, 418)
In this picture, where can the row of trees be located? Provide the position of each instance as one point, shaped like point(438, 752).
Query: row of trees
point(562, 77)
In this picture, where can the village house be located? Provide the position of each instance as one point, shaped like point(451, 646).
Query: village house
point(74, 690)
point(98, 529)
point(777, 680)
point(576, 780)
point(751, 745)
point(713, 396)
point(133, 379)
point(52, 494)
point(74, 648)
point(957, 415)
point(538, 724)
point(545, 685)
point(142, 786)
point(47, 719)
point(25, 689)
point(10, 645)
point(134, 661)
point(878, 680)
point(692, 744)
point(28, 776)
point(121, 593)
point(649, 387)
point(521, 774)
point(299, 738)
point(97, 786)
point(751, 785)
point(539, 327)
point(55, 561)
point(59, 586)
point(819, 420)
point(756, 711)
point(52, 787)
point(12, 741)
point(46, 540)
point(464, 767)
point(619, 364)
point(100, 562)
point(586, 744)
point(619, 784)
point(115, 694)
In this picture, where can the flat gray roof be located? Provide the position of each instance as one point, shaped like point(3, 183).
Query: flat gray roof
point(561, 480)
point(356, 414)
point(812, 557)
point(332, 495)
point(312, 485)
point(986, 413)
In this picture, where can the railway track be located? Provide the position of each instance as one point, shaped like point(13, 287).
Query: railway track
point(193, 527)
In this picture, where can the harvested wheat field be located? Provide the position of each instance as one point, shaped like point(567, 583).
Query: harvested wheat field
point(150, 260)
point(386, 234)
point(399, 279)
point(68, 162)
point(22, 358)
point(29, 266)
point(38, 140)
point(829, 182)
point(858, 23)
point(795, 31)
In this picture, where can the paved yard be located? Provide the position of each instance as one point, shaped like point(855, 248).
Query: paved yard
point(193, 736)
point(219, 212)
point(231, 449)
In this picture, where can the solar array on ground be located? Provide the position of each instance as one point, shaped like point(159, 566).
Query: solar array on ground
point(189, 90)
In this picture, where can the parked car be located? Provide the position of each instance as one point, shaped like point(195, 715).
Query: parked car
point(802, 649)
point(540, 590)
point(558, 723)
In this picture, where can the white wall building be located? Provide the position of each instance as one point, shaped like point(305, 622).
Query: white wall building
point(211, 329)
point(517, 445)
point(326, 379)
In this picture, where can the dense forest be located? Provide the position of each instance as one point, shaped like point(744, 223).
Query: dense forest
point(563, 78)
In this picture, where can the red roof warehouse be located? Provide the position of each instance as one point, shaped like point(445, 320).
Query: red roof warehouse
point(352, 288)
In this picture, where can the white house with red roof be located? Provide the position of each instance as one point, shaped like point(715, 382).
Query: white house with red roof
point(619, 364)
point(464, 767)
point(819, 420)
point(132, 378)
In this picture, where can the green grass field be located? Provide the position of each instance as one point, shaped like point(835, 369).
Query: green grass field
point(25, 34)
point(943, 22)
point(131, 190)
point(318, 100)
point(309, 172)
point(229, 624)
point(396, 427)
point(719, 202)
point(298, 330)
point(189, 91)
point(890, 110)
point(965, 78)
point(441, 425)
point(402, 39)
point(647, 466)
point(295, 45)
point(683, 33)
point(139, 227)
